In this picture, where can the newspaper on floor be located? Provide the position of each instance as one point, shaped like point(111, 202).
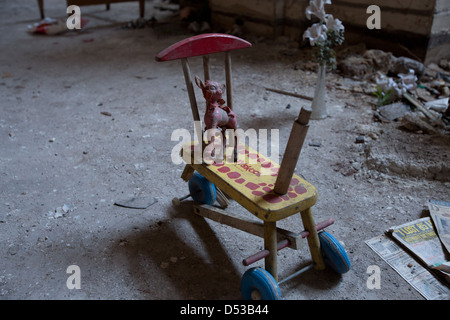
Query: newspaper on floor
point(420, 238)
point(408, 268)
point(440, 213)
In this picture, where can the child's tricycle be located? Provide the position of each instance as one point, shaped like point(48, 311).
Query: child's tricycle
point(269, 191)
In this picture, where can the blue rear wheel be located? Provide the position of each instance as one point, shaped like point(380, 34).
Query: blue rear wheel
point(201, 190)
point(333, 253)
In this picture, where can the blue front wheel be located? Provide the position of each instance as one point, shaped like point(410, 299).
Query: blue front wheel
point(259, 284)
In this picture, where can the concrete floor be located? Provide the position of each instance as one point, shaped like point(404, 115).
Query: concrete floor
point(86, 120)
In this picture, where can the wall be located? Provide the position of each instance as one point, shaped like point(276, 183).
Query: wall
point(416, 28)
point(439, 42)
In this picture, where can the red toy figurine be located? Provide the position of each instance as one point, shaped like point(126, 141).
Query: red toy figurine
point(217, 114)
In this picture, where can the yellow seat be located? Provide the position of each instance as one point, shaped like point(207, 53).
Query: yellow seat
point(250, 182)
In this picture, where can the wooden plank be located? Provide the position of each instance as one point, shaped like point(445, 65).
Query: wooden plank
point(284, 243)
point(250, 226)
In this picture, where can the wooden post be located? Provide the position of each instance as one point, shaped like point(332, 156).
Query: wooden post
point(190, 89)
point(292, 152)
point(192, 100)
point(228, 79)
point(313, 239)
point(270, 244)
point(206, 68)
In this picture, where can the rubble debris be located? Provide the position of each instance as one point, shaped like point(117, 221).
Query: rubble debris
point(404, 64)
point(432, 117)
point(354, 66)
point(445, 64)
point(393, 111)
point(415, 123)
point(381, 61)
point(59, 212)
point(372, 61)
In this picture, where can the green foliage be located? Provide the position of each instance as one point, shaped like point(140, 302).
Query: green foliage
point(382, 97)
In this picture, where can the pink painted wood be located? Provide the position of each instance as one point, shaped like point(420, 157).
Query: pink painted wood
point(202, 44)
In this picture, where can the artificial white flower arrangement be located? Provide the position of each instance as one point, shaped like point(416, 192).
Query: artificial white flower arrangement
point(325, 34)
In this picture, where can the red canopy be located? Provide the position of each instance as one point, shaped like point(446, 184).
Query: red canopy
point(202, 44)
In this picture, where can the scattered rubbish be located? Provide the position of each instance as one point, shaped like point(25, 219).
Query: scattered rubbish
point(136, 202)
point(314, 144)
point(408, 80)
point(106, 113)
point(394, 90)
point(360, 139)
point(50, 26)
point(140, 23)
point(440, 105)
point(428, 113)
point(400, 246)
